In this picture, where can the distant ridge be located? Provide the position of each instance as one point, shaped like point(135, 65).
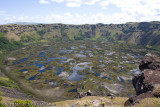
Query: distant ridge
point(137, 33)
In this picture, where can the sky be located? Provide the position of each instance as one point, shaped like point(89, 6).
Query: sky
point(79, 11)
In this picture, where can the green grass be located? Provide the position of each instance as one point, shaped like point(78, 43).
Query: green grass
point(96, 37)
point(25, 103)
point(6, 82)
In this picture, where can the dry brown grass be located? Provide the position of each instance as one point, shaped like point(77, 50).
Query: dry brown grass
point(88, 101)
point(156, 91)
point(149, 102)
point(12, 36)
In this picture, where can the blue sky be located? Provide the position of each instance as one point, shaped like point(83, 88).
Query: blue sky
point(79, 11)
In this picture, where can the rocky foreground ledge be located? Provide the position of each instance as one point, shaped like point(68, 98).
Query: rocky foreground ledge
point(147, 83)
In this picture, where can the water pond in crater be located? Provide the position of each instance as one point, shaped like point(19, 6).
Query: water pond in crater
point(78, 66)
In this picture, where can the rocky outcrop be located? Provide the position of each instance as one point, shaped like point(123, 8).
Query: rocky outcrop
point(147, 83)
point(150, 62)
point(136, 99)
point(83, 94)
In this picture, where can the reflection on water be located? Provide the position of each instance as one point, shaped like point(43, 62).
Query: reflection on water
point(75, 76)
point(33, 78)
point(23, 59)
point(42, 54)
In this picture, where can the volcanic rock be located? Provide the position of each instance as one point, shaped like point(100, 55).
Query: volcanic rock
point(147, 83)
point(150, 62)
point(135, 99)
point(83, 94)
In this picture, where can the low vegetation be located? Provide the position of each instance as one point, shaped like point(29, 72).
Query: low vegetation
point(7, 45)
point(106, 101)
point(25, 103)
point(6, 82)
point(108, 58)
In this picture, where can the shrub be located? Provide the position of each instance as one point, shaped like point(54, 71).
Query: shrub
point(0, 98)
point(21, 103)
point(7, 45)
point(103, 104)
point(30, 37)
point(1, 93)
point(8, 83)
point(2, 105)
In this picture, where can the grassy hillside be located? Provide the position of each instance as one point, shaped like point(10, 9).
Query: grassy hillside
point(144, 33)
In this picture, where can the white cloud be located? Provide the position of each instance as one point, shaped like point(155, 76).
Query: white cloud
point(131, 7)
point(73, 4)
point(78, 3)
point(134, 7)
point(90, 2)
point(67, 14)
point(52, 18)
point(44, 2)
point(139, 10)
point(22, 18)
point(130, 11)
point(68, 18)
point(58, 1)
point(104, 3)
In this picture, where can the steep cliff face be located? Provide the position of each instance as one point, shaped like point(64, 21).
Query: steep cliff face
point(144, 33)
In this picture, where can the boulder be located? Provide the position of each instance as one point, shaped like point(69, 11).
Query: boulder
point(136, 99)
point(150, 62)
point(83, 94)
point(147, 83)
point(89, 93)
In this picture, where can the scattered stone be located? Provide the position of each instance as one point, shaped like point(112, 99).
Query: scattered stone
point(11, 59)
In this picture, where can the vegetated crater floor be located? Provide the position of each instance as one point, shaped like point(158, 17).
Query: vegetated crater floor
point(61, 70)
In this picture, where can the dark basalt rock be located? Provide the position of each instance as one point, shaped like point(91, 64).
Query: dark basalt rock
point(83, 94)
point(137, 82)
point(147, 83)
point(136, 99)
point(150, 62)
point(89, 93)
